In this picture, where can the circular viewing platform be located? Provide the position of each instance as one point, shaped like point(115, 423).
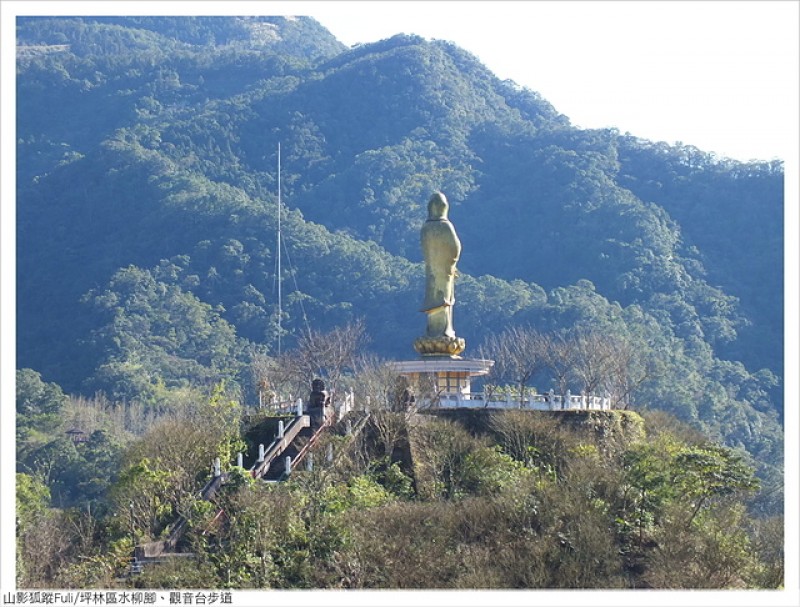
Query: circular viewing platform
point(472, 367)
point(451, 376)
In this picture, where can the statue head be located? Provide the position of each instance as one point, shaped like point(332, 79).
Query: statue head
point(437, 207)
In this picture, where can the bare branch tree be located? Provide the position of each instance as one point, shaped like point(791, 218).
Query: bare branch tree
point(496, 377)
point(594, 359)
point(560, 359)
point(629, 370)
point(291, 376)
point(519, 354)
point(330, 354)
point(379, 384)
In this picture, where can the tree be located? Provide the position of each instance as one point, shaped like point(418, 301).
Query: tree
point(94, 469)
point(702, 475)
point(594, 359)
point(630, 367)
point(646, 487)
point(518, 354)
point(33, 500)
point(379, 384)
point(329, 354)
point(39, 404)
point(560, 358)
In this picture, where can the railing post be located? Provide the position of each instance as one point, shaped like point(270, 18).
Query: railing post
point(568, 400)
point(261, 452)
point(552, 396)
point(281, 429)
point(288, 466)
point(309, 462)
point(299, 407)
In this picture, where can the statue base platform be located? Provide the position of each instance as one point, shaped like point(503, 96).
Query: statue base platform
point(451, 377)
point(431, 364)
point(440, 346)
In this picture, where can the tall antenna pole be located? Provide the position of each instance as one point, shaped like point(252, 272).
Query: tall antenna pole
point(280, 303)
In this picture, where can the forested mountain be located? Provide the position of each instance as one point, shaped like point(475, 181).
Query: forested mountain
point(146, 176)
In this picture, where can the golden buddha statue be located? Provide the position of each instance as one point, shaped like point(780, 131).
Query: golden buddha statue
point(441, 249)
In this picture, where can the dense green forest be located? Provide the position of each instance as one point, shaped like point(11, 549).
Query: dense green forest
point(146, 268)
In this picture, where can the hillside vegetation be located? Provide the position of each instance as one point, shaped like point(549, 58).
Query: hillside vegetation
point(147, 216)
point(477, 499)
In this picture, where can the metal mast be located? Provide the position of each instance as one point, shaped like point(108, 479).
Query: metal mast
point(280, 302)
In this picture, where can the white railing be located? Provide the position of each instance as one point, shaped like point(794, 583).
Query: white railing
point(532, 402)
point(346, 406)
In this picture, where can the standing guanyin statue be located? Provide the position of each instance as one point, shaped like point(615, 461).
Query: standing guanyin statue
point(441, 249)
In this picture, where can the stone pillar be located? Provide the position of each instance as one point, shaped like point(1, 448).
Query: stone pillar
point(261, 452)
point(299, 407)
point(288, 466)
point(329, 453)
point(568, 400)
point(281, 429)
point(240, 460)
point(310, 462)
point(552, 397)
point(217, 468)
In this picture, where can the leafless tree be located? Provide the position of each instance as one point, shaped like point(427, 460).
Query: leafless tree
point(330, 355)
point(379, 385)
point(278, 380)
point(261, 371)
point(560, 359)
point(629, 370)
point(594, 359)
point(497, 376)
point(389, 398)
point(519, 354)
